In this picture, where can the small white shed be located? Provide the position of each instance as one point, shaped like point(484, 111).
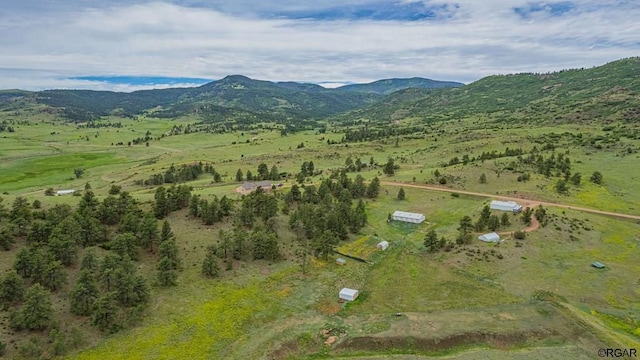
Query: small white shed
point(348, 294)
point(64, 192)
point(383, 245)
point(490, 237)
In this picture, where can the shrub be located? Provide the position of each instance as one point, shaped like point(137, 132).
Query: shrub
point(520, 235)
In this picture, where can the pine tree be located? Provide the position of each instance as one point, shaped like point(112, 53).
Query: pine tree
point(84, 294)
point(125, 245)
point(21, 215)
point(389, 168)
point(210, 266)
point(148, 236)
point(167, 274)
point(239, 175)
point(494, 223)
point(168, 253)
point(64, 249)
point(483, 178)
point(464, 230)
point(401, 194)
point(105, 313)
point(263, 172)
point(54, 275)
point(504, 221)
point(373, 190)
point(431, 241)
point(161, 207)
point(11, 290)
point(596, 178)
point(274, 174)
point(6, 238)
point(37, 311)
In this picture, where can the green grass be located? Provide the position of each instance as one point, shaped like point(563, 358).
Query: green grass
point(257, 307)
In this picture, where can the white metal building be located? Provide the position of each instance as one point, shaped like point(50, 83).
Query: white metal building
point(64, 192)
point(383, 245)
point(490, 237)
point(348, 294)
point(408, 217)
point(505, 206)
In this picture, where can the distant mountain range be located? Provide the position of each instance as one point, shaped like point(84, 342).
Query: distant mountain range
point(285, 99)
point(601, 94)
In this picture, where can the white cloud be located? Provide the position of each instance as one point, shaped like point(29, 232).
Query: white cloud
point(167, 39)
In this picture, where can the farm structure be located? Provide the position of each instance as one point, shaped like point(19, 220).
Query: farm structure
point(598, 265)
point(348, 294)
point(490, 237)
point(248, 187)
point(64, 192)
point(383, 245)
point(340, 261)
point(408, 217)
point(506, 206)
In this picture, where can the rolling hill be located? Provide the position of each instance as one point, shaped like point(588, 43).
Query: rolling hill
point(388, 86)
point(596, 93)
point(289, 100)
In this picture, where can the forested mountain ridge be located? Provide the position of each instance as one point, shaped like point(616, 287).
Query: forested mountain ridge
point(388, 86)
point(283, 99)
point(611, 89)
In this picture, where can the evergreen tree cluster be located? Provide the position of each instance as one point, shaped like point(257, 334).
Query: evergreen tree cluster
point(5, 126)
point(210, 211)
point(108, 290)
point(368, 134)
point(171, 199)
point(491, 221)
point(327, 215)
point(263, 172)
point(182, 173)
point(433, 244)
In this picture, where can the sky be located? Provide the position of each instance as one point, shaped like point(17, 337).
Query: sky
point(127, 45)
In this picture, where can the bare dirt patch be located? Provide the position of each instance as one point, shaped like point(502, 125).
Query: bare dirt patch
point(494, 340)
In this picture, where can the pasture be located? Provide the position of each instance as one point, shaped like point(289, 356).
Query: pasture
point(266, 309)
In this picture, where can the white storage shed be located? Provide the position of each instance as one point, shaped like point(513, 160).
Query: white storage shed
point(408, 217)
point(490, 237)
point(64, 192)
point(383, 245)
point(348, 294)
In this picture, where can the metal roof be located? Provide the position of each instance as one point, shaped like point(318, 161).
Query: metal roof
point(408, 215)
point(491, 237)
point(504, 203)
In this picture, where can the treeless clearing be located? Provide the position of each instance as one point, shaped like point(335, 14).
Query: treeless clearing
point(526, 202)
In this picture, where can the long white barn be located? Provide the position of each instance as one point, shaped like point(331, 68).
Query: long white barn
point(505, 206)
point(408, 217)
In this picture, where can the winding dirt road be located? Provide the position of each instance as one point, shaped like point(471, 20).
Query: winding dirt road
point(525, 202)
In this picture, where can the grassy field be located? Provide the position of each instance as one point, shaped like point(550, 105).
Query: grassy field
point(270, 310)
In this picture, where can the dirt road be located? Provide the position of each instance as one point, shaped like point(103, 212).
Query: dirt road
point(525, 202)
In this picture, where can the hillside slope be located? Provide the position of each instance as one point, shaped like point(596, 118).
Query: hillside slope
point(608, 90)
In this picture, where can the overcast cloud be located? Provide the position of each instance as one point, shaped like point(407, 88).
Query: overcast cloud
point(82, 43)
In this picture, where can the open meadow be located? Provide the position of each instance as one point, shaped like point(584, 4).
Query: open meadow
point(531, 298)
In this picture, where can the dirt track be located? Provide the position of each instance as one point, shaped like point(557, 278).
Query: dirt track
point(525, 202)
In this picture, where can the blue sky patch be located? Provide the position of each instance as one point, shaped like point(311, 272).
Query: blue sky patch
point(379, 11)
point(550, 8)
point(143, 80)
